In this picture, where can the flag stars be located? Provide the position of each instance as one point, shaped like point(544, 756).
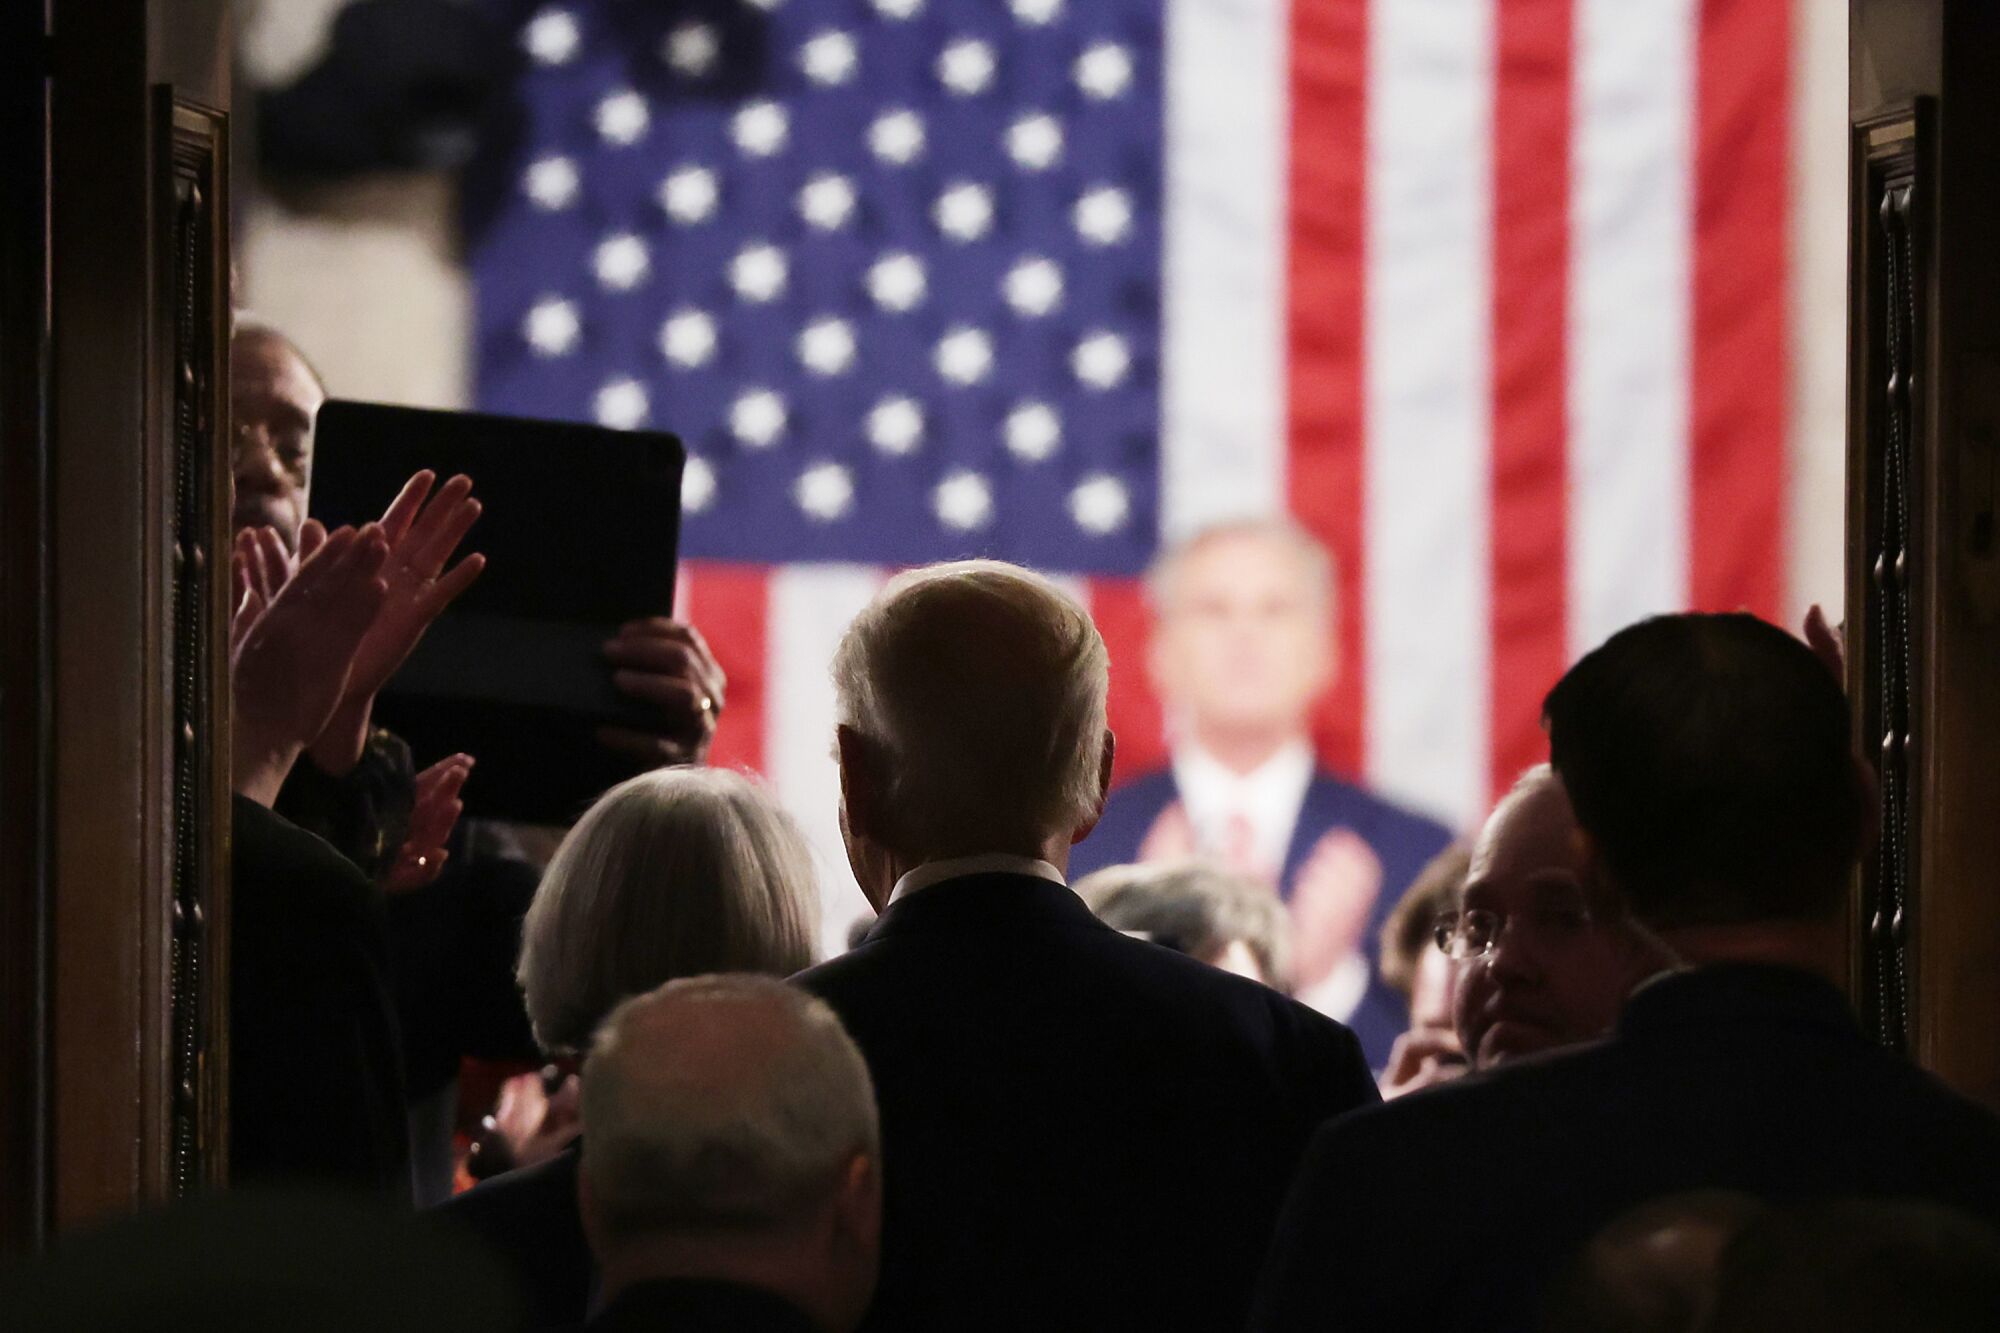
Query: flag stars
point(964, 212)
point(552, 327)
point(897, 137)
point(966, 66)
point(697, 485)
point(896, 282)
point(1100, 505)
point(1103, 216)
point(621, 404)
point(1035, 141)
point(899, 9)
point(687, 338)
point(551, 37)
point(758, 273)
point(827, 201)
point(551, 183)
point(1033, 431)
point(761, 129)
point(825, 491)
point(830, 59)
point(623, 118)
point(757, 418)
point(621, 262)
point(963, 501)
point(692, 49)
point(690, 195)
point(826, 346)
point(896, 425)
point(1104, 71)
point(1101, 360)
point(964, 355)
point(1036, 13)
point(1034, 287)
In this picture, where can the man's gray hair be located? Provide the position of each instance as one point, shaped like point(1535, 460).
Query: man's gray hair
point(674, 873)
point(1314, 559)
point(981, 686)
point(723, 1103)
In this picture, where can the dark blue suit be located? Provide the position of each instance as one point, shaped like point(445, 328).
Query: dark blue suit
point(1402, 840)
point(1080, 1130)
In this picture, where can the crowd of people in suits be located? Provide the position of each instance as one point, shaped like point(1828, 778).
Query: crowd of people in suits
point(1627, 1090)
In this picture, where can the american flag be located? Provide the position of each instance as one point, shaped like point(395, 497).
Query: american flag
point(1490, 294)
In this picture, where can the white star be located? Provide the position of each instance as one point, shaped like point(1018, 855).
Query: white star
point(551, 183)
point(963, 501)
point(689, 195)
point(621, 262)
point(898, 9)
point(691, 49)
point(1033, 431)
point(964, 212)
point(758, 272)
point(896, 425)
point(1103, 216)
point(830, 58)
point(1037, 13)
point(767, 5)
point(826, 346)
point(697, 485)
point(1035, 141)
point(1104, 71)
point(757, 418)
point(687, 338)
point(622, 118)
point(761, 128)
point(896, 282)
point(825, 491)
point(621, 404)
point(827, 201)
point(1099, 504)
point(966, 66)
point(897, 137)
point(552, 326)
point(1034, 286)
point(552, 36)
point(1101, 360)
point(964, 355)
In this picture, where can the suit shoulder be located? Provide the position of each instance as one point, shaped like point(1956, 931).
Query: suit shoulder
point(1380, 815)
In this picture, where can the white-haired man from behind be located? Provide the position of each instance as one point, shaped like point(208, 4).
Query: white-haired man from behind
point(731, 1162)
point(1079, 1129)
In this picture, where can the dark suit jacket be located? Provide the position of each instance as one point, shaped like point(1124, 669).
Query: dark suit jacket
point(529, 1221)
point(1079, 1129)
point(1402, 839)
point(690, 1305)
point(315, 1063)
point(1451, 1209)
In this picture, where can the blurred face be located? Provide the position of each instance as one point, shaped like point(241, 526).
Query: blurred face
point(1432, 990)
point(1555, 975)
point(1243, 641)
point(273, 400)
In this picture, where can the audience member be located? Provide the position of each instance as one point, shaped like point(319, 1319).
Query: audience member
point(1653, 1269)
point(1415, 966)
point(1199, 909)
point(1709, 763)
point(731, 1163)
point(674, 873)
point(1080, 1130)
point(1242, 649)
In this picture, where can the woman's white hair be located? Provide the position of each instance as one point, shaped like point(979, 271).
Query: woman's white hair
point(981, 687)
point(675, 873)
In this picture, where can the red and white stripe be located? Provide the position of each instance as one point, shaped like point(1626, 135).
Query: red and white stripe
point(1498, 296)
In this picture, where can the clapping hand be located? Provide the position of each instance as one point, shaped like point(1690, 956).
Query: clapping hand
point(293, 643)
point(434, 814)
point(665, 665)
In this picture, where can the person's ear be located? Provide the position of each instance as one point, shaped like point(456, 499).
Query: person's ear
point(1105, 758)
point(860, 782)
point(857, 1207)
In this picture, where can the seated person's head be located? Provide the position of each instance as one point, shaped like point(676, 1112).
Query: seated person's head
point(1412, 962)
point(1198, 909)
point(1653, 1269)
point(675, 873)
point(274, 401)
point(1544, 960)
point(971, 701)
point(1710, 763)
point(729, 1133)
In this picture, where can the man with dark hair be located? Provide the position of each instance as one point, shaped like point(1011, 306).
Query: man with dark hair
point(1709, 761)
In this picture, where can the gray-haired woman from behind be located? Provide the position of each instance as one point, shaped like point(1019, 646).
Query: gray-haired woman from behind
point(676, 873)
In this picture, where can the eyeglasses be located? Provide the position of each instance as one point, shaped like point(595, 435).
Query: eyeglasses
point(1476, 932)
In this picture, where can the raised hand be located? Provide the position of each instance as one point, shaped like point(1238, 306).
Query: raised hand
point(290, 665)
point(1331, 900)
point(1828, 642)
point(665, 665)
point(432, 819)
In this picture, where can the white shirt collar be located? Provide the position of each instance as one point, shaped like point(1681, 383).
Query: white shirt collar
point(989, 863)
point(1268, 796)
